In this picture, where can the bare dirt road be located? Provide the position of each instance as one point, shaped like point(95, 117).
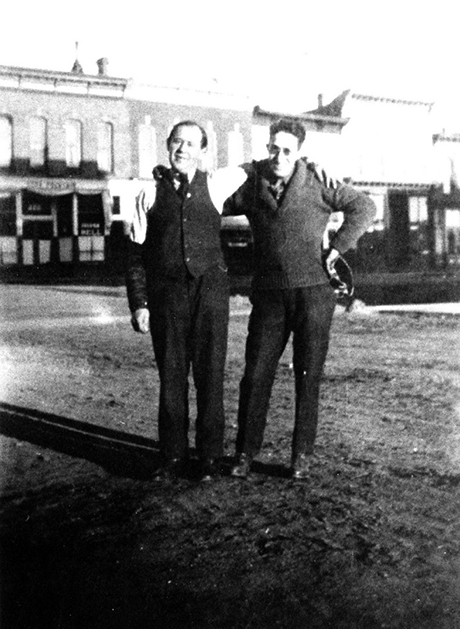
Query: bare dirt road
point(371, 540)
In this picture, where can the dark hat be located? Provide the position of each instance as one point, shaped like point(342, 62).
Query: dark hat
point(341, 278)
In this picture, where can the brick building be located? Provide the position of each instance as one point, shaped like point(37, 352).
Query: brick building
point(64, 137)
point(75, 149)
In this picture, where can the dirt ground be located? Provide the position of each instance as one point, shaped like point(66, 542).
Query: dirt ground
point(371, 540)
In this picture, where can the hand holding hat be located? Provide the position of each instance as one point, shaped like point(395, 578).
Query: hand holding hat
point(339, 273)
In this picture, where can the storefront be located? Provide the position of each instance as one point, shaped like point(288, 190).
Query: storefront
point(53, 221)
point(445, 211)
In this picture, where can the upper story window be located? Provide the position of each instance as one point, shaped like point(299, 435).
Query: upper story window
point(147, 149)
point(6, 141)
point(38, 141)
point(73, 143)
point(105, 147)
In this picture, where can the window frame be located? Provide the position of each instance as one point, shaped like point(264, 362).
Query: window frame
point(71, 160)
point(38, 151)
point(6, 141)
point(105, 142)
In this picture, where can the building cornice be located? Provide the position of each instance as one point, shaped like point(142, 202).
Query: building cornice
point(392, 185)
point(310, 117)
point(336, 106)
point(442, 137)
point(52, 80)
point(180, 95)
point(386, 99)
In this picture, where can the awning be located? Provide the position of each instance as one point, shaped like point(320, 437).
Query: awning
point(52, 187)
point(64, 188)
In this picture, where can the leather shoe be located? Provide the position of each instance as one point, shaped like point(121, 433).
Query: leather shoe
point(242, 467)
point(170, 470)
point(301, 466)
point(209, 469)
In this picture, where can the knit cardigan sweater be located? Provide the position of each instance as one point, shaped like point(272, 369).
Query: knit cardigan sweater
point(288, 235)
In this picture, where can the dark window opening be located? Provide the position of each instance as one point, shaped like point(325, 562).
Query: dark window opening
point(90, 215)
point(7, 215)
point(36, 205)
point(64, 216)
point(116, 206)
point(37, 230)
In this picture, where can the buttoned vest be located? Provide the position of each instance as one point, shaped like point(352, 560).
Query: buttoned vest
point(183, 231)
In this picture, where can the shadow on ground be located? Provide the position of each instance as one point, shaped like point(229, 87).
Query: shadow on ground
point(120, 453)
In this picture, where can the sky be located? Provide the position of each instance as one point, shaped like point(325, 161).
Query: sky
point(281, 54)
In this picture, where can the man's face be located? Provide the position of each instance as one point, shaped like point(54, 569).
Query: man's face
point(184, 149)
point(283, 152)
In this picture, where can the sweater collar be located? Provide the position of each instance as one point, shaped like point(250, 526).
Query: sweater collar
point(293, 192)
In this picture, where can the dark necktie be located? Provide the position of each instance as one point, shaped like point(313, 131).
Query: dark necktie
point(181, 184)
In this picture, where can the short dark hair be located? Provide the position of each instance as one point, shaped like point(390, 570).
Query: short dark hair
point(287, 125)
point(189, 123)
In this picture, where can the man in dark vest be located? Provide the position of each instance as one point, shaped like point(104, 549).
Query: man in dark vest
point(178, 289)
point(288, 207)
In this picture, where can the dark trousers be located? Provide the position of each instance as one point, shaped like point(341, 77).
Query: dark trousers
point(307, 313)
point(189, 327)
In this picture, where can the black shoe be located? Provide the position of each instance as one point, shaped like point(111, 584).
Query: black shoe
point(301, 466)
point(170, 470)
point(242, 467)
point(210, 469)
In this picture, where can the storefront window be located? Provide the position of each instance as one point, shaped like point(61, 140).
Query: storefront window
point(7, 214)
point(36, 205)
point(91, 249)
point(64, 216)
point(379, 219)
point(37, 230)
point(90, 215)
point(453, 234)
point(6, 141)
point(418, 211)
point(418, 219)
point(8, 250)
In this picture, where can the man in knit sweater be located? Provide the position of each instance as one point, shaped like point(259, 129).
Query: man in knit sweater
point(288, 208)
